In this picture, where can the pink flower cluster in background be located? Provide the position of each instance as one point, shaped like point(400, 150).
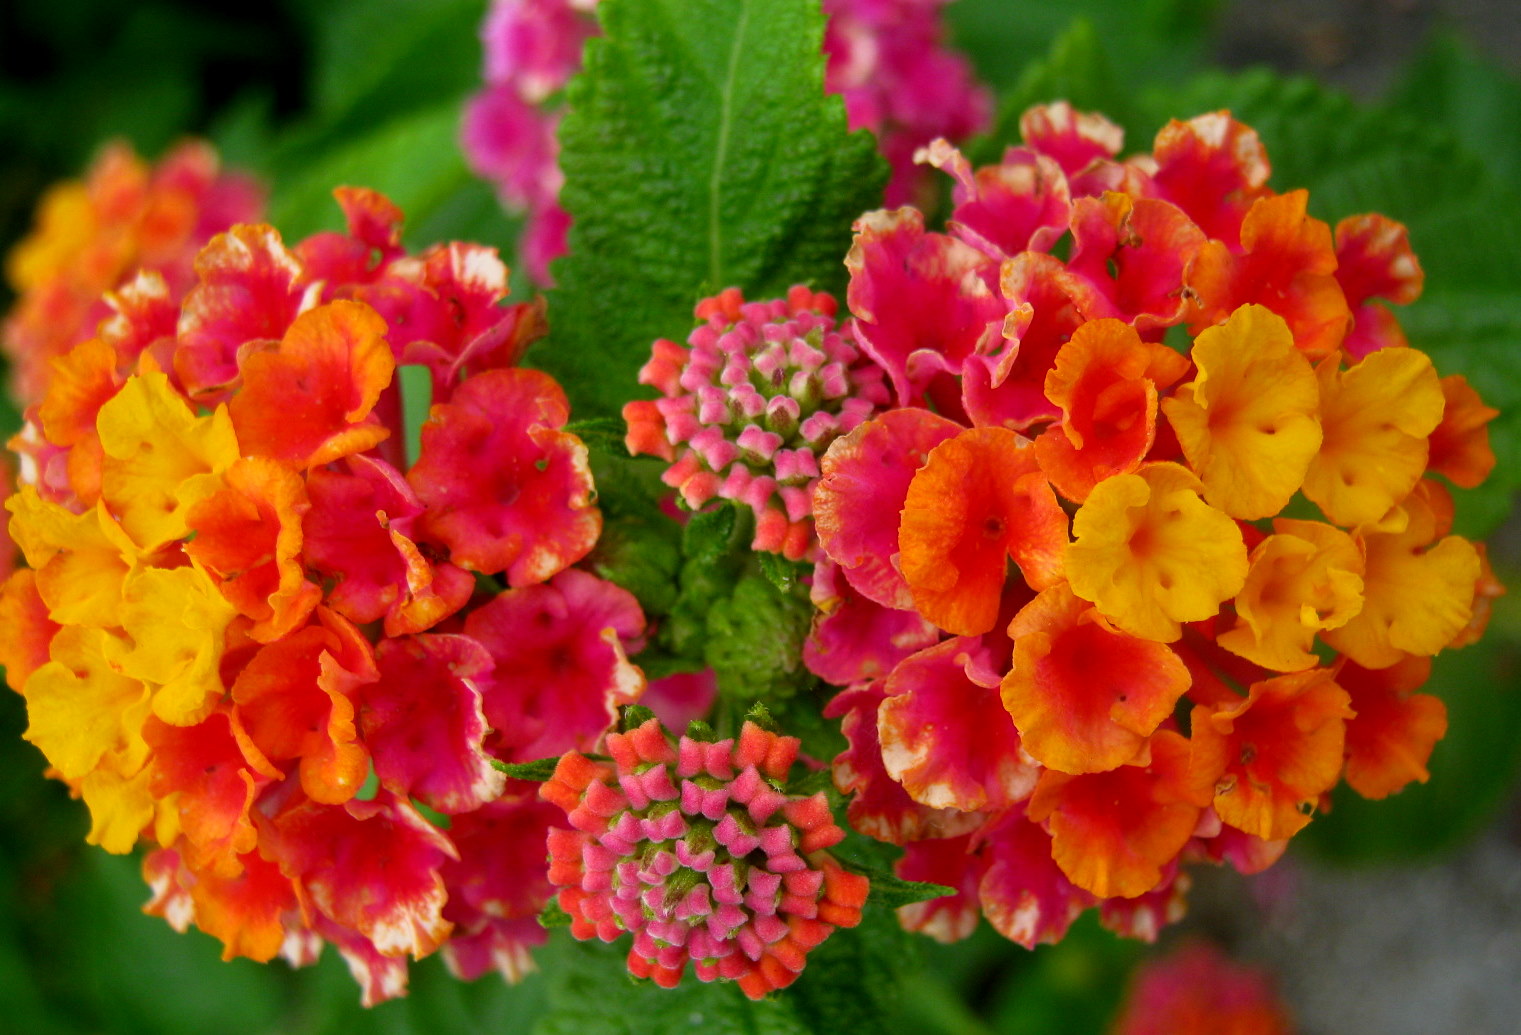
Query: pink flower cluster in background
point(885, 57)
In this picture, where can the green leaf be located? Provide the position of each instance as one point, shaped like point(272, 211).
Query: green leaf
point(710, 534)
point(891, 892)
point(1453, 86)
point(755, 640)
point(601, 433)
point(537, 771)
point(591, 993)
point(553, 916)
point(377, 57)
point(782, 573)
point(700, 151)
point(1077, 69)
point(413, 160)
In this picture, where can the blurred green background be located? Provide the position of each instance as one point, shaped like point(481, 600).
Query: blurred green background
point(1412, 108)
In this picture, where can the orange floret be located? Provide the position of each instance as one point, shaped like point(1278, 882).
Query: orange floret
point(1391, 737)
point(309, 401)
point(1287, 263)
point(1114, 833)
point(1084, 696)
point(1459, 447)
point(1248, 421)
point(1276, 752)
point(979, 499)
point(1105, 381)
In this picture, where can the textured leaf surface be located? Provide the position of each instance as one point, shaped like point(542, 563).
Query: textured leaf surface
point(700, 152)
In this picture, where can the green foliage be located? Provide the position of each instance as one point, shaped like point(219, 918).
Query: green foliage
point(591, 993)
point(412, 160)
point(1077, 69)
point(755, 639)
point(538, 770)
point(700, 152)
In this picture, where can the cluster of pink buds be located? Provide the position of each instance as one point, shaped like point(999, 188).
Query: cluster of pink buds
point(750, 403)
point(698, 851)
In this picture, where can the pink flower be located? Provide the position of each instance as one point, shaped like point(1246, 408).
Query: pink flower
point(697, 851)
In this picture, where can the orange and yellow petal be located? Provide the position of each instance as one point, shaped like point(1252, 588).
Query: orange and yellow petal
point(175, 620)
point(1248, 422)
point(1115, 833)
point(248, 535)
point(309, 401)
point(1375, 418)
point(1105, 381)
point(1419, 592)
point(1459, 447)
point(1390, 739)
point(1275, 753)
point(1151, 554)
point(160, 458)
point(1304, 579)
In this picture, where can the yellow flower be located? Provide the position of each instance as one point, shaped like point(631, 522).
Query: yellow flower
point(160, 458)
point(80, 559)
point(1150, 554)
point(1248, 422)
point(176, 620)
point(80, 707)
point(1419, 595)
point(1375, 417)
point(1304, 579)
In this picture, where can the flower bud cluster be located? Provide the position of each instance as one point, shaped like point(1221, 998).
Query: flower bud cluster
point(697, 851)
point(749, 404)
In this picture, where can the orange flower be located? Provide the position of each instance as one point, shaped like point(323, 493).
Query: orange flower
point(1113, 833)
point(1274, 754)
point(1286, 263)
point(1391, 737)
point(1084, 696)
point(1105, 381)
point(1247, 422)
point(1459, 447)
point(249, 536)
point(979, 499)
point(1150, 554)
point(308, 402)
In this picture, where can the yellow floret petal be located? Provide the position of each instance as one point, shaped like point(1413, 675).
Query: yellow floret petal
point(158, 456)
point(1376, 418)
point(1248, 422)
point(1149, 553)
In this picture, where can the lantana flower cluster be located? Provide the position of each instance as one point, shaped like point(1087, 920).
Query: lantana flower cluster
point(254, 637)
point(699, 852)
point(1155, 548)
point(885, 58)
point(127, 228)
